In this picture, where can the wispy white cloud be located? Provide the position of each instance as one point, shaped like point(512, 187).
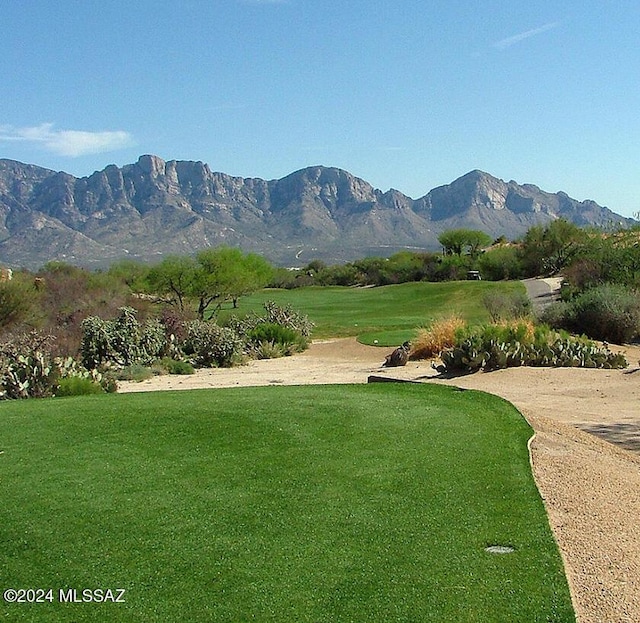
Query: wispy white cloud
point(72, 143)
point(509, 41)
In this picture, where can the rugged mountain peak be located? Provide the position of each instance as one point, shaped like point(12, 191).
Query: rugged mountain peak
point(155, 207)
point(151, 165)
point(328, 186)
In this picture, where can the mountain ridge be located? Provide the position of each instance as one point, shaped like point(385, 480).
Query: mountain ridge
point(154, 207)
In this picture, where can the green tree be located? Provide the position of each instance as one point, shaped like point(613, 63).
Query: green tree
point(502, 262)
point(548, 249)
point(130, 272)
point(17, 302)
point(459, 241)
point(213, 277)
point(225, 274)
point(175, 277)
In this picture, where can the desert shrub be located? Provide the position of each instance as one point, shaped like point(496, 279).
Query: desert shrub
point(210, 345)
point(506, 306)
point(584, 273)
point(27, 367)
point(175, 366)
point(69, 367)
point(609, 312)
point(271, 332)
point(153, 339)
point(452, 268)
point(284, 326)
point(78, 386)
point(17, 303)
point(268, 350)
point(67, 295)
point(431, 341)
point(133, 372)
point(288, 317)
point(243, 325)
point(125, 337)
point(555, 315)
point(288, 340)
point(339, 275)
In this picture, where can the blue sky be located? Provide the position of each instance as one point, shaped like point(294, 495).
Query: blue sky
point(409, 94)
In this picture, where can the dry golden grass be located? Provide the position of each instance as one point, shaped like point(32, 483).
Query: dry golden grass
point(431, 341)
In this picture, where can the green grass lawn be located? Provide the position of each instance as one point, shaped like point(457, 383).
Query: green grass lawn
point(362, 503)
point(390, 314)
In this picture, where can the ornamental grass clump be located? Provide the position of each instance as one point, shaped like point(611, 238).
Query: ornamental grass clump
point(431, 341)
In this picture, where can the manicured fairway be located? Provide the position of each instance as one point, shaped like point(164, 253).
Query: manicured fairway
point(364, 503)
point(376, 312)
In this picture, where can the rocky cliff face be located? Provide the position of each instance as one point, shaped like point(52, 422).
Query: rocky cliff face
point(152, 208)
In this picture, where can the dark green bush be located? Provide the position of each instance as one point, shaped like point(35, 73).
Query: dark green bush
point(174, 366)
point(78, 386)
point(502, 262)
point(269, 340)
point(271, 332)
point(452, 268)
point(609, 312)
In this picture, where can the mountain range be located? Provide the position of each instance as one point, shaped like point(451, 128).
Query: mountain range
point(152, 208)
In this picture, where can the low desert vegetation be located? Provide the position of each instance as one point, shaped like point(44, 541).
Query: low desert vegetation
point(123, 348)
point(464, 349)
point(608, 312)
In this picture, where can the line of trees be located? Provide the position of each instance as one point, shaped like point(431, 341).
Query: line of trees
point(60, 296)
point(585, 256)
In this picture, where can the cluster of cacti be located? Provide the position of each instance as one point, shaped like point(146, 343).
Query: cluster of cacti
point(210, 345)
point(122, 341)
point(27, 369)
point(482, 351)
point(71, 368)
point(288, 317)
point(280, 332)
point(276, 314)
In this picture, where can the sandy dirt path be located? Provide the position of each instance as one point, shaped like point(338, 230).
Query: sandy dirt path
point(591, 487)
